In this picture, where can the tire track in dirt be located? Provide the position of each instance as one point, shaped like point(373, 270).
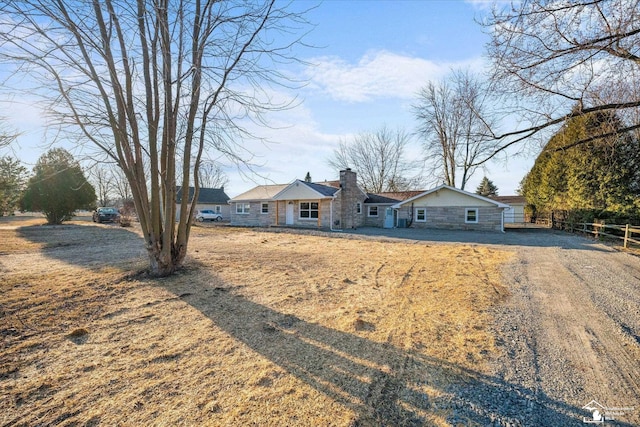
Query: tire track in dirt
point(563, 329)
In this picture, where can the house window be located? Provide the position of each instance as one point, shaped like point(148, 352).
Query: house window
point(264, 208)
point(308, 210)
point(358, 208)
point(218, 209)
point(421, 215)
point(471, 215)
point(242, 208)
point(373, 211)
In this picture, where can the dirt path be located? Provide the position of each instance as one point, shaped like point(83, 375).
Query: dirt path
point(571, 332)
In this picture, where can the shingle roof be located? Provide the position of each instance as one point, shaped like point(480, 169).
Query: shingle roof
point(206, 195)
point(325, 190)
point(401, 195)
point(261, 192)
point(378, 199)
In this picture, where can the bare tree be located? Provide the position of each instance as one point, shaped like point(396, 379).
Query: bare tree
point(121, 186)
point(6, 136)
point(152, 83)
point(102, 178)
point(379, 159)
point(454, 123)
point(551, 56)
point(212, 175)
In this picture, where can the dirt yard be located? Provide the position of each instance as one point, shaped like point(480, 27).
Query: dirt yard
point(260, 328)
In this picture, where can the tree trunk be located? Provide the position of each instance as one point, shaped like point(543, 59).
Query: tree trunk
point(161, 265)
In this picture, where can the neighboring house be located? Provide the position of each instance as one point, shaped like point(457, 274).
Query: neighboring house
point(450, 208)
point(515, 212)
point(208, 198)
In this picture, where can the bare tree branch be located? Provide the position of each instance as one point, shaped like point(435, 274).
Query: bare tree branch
point(380, 160)
point(549, 56)
point(155, 85)
point(454, 120)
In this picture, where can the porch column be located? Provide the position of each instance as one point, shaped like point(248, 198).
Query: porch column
point(277, 206)
point(319, 214)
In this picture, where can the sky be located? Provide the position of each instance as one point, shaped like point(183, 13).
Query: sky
point(369, 60)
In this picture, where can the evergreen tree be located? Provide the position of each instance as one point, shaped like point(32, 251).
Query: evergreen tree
point(602, 174)
point(58, 187)
point(487, 188)
point(307, 178)
point(12, 179)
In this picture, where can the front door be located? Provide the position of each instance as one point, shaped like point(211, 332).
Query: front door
point(289, 218)
point(388, 218)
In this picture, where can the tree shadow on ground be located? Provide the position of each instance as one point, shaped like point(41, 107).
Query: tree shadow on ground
point(382, 384)
point(86, 245)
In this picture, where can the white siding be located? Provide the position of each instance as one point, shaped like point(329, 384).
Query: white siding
point(447, 198)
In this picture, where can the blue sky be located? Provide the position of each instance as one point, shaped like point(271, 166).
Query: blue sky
point(371, 59)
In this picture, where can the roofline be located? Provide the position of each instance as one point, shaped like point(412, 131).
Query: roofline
point(248, 200)
point(321, 196)
point(236, 198)
point(457, 190)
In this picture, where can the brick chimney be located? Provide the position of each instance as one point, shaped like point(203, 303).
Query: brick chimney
point(348, 198)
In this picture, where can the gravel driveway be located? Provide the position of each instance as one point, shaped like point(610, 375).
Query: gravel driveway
point(570, 332)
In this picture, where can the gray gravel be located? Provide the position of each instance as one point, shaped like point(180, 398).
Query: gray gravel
point(569, 332)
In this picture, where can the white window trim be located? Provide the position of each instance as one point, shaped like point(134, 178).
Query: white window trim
point(359, 208)
point(243, 211)
point(301, 218)
point(466, 215)
point(369, 211)
point(425, 214)
point(262, 208)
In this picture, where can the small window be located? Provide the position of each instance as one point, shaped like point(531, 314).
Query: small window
point(373, 211)
point(265, 208)
point(218, 209)
point(421, 215)
point(358, 208)
point(242, 208)
point(471, 215)
point(308, 210)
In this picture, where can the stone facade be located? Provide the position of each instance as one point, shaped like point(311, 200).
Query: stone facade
point(337, 206)
point(350, 196)
point(341, 206)
point(374, 221)
point(489, 218)
point(255, 217)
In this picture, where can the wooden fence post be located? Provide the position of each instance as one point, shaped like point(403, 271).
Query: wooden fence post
point(626, 236)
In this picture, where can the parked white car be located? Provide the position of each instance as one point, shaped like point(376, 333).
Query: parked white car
point(207, 215)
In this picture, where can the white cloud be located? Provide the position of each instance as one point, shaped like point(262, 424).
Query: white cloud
point(296, 145)
point(379, 74)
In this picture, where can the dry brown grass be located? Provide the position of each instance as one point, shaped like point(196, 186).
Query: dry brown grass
point(261, 328)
